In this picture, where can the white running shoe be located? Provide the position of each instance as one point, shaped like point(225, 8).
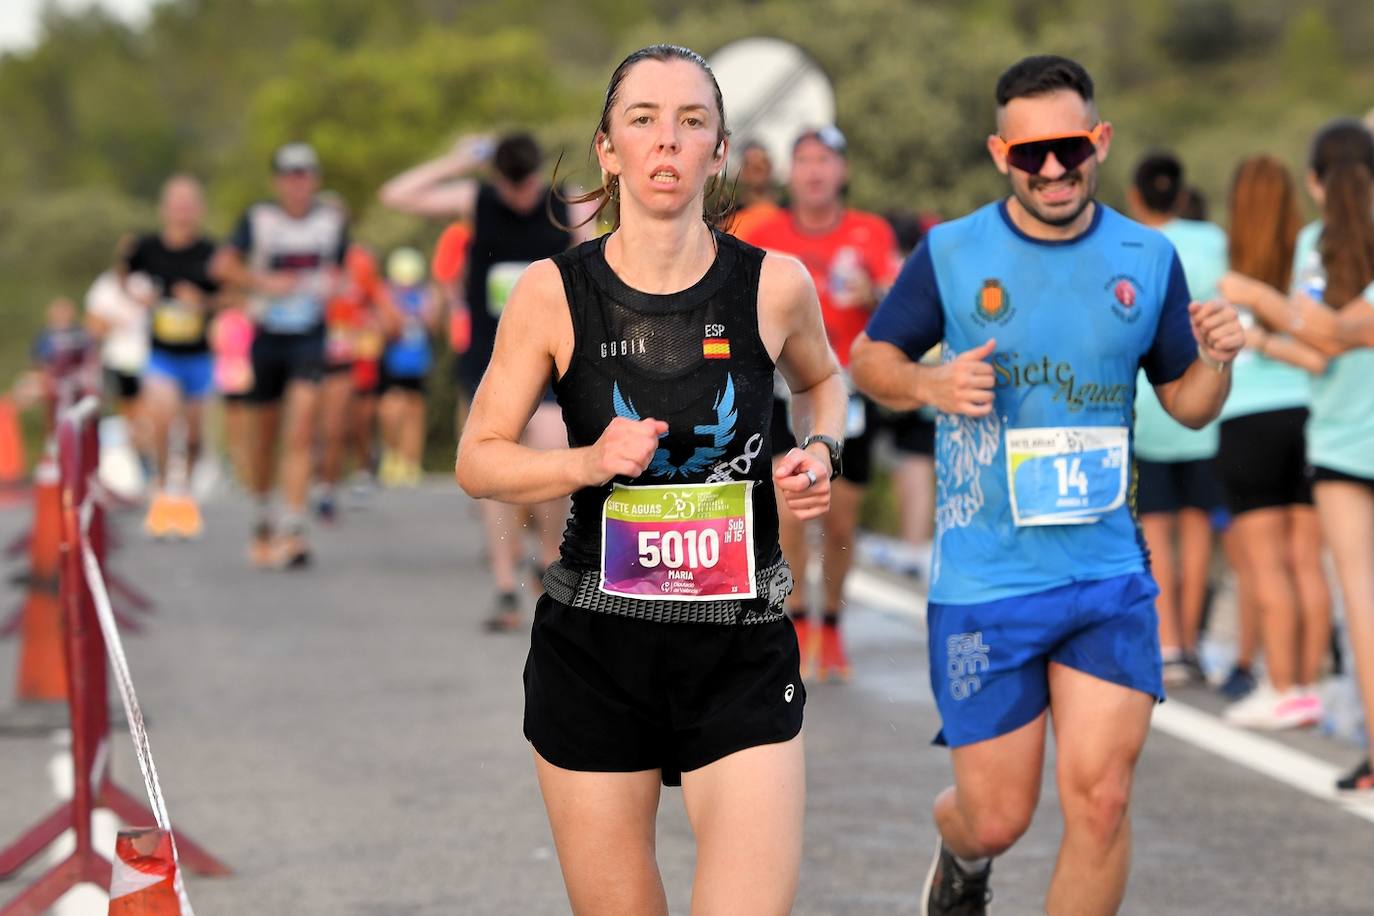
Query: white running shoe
point(1267, 709)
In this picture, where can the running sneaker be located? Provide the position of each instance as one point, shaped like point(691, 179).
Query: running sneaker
point(505, 616)
point(186, 520)
point(290, 551)
point(834, 662)
point(362, 484)
point(1267, 709)
point(1175, 671)
point(158, 523)
point(1238, 684)
point(1183, 670)
point(260, 548)
point(326, 510)
point(951, 891)
point(391, 470)
point(1360, 779)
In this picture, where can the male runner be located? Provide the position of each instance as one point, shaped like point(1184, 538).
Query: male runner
point(1040, 603)
point(852, 257)
point(509, 214)
point(286, 253)
point(180, 371)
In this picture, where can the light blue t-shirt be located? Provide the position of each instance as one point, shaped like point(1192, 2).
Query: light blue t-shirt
point(1036, 495)
point(1340, 431)
point(1260, 384)
point(1201, 250)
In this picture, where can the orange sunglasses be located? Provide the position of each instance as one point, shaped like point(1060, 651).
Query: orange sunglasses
point(1071, 149)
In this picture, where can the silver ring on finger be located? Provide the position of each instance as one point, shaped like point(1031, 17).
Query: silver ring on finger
point(811, 476)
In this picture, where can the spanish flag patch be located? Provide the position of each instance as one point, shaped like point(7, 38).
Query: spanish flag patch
point(715, 348)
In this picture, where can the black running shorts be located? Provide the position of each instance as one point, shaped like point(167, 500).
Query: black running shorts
point(913, 433)
point(1331, 475)
point(122, 385)
point(1262, 461)
point(280, 359)
point(412, 383)
point(1168, 486)
point(613, 694)
point(856, 465)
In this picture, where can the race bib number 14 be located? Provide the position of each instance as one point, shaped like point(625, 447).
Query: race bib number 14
point(1066, 475)
point(690, 542)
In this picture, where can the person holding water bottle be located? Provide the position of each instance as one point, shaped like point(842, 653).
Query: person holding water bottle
point(852, 257)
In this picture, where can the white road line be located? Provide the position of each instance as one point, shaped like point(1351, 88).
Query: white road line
point(865, 588)
point(1296, 769)
point(1263, 755)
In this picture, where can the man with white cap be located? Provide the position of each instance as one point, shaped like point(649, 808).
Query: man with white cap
point(286, 254)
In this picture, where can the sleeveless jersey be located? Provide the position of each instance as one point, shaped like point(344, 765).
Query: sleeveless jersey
point(693, 359)
point(503, 244)
point(312, 247)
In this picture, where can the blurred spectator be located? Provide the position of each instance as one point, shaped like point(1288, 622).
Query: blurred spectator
point(1333, 293)
point(60, 354)
point(1177, 490)
point(1262, 462)
point(1193, 205)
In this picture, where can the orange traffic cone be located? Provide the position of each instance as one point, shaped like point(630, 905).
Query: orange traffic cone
point(144, 879)
point(42, 656)
point(11, 445)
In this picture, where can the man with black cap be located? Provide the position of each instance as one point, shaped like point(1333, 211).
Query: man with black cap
point(852, 256)
point(285, 255)
point(516, 220)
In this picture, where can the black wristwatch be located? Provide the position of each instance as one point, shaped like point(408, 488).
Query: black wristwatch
point(836, 450)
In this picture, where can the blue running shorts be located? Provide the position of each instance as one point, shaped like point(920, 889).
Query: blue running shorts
point(989, 662)
point(193, 373)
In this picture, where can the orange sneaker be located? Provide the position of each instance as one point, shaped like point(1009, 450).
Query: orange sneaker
point(834, 662)
point(159, 522)
point(807, 644)
point(187, 521)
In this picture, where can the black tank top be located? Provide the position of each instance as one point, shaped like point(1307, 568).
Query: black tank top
point(504, 242)
point(693, 359)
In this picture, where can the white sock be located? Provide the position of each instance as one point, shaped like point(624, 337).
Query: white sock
point(973, 866)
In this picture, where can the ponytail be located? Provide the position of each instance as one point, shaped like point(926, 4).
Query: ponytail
point(1347, 244)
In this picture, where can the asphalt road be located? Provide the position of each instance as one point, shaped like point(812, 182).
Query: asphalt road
point(349, 740)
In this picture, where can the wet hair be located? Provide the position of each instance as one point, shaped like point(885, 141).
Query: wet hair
point(517, 157)
point(1159, 181)
point(1041, 74)
point(1343, 160)
point(1264, 221)
point(715, 212)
